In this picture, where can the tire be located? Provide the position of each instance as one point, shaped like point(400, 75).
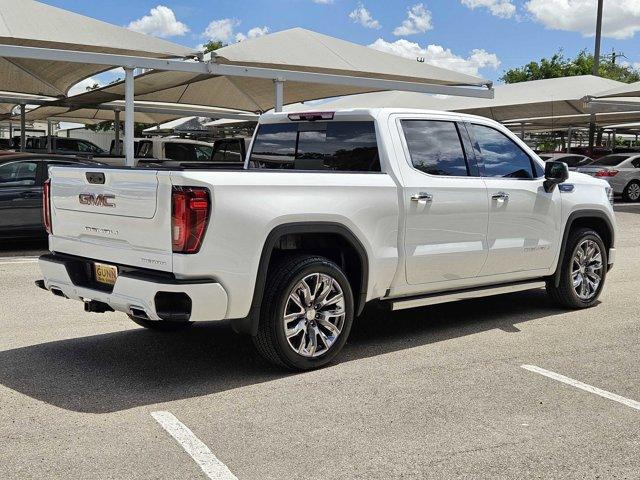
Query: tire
point(579, 263)
point(284, 294)
point(631, 192)
point(161, 325)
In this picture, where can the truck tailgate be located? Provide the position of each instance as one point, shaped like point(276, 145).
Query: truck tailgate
point(117, 215)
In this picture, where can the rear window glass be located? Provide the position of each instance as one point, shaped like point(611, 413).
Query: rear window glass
point(332, 146)
point(611, 160)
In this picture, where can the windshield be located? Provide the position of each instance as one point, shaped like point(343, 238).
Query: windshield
point(610, 160)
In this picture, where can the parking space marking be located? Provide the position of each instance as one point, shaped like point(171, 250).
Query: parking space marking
point(208, 462)
point(18, 260)
point(583, 386)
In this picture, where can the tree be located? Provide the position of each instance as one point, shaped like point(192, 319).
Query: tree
point(560, 66)
point(212, 45)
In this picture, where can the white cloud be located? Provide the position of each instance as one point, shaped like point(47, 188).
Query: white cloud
point(498, 8)
point(161, 22)
point(81, 87)
point(221, 30)
point(418, 21)
point(323, 2)
point(255, 32)
point(224, 31)
point(363, 16)
point(621, 18)
point(440, 56)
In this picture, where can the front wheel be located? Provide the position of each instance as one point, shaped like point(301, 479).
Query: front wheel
point(583, 271)
point(631, 192)
point(306, 313)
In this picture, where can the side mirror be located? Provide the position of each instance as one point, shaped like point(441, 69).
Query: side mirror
point(554, 174)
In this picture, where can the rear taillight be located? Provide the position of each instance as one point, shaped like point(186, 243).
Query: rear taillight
point(46, 206)
point(607, 173)
point(190, 208)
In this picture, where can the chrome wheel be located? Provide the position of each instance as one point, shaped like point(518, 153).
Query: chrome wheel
point(314, 315)
point(633, 191)
point(587, 269)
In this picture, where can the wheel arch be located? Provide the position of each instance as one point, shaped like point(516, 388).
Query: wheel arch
point(596, 219)
point(249, 324)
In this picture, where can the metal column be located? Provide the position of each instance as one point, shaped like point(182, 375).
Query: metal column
point(49, 137)
point(129, 117)
point(116, 127)
point(569, 136)
point(23, 126)
point(279, 95)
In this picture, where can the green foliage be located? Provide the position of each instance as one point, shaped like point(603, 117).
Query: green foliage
point(110, 125)
point(560, 66)
point(212, 45)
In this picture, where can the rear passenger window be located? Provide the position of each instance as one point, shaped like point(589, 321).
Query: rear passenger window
point(318, 146)
point(502, 157)
point(435, 147)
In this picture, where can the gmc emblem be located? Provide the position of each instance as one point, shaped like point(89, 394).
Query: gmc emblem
point(97, 200)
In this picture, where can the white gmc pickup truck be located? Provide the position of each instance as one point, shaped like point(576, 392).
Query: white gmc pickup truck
point(333, 210)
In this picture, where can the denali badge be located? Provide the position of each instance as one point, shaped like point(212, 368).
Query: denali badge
point(97, 200)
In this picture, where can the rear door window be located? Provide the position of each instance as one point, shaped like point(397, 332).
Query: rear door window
point(318, 146)
point(67, 144)
point(435, 147)
point(501, 156)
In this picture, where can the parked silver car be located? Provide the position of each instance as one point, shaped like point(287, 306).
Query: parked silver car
point(621, 170)
point(573, 160)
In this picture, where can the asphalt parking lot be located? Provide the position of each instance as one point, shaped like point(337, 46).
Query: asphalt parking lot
point(438, 392)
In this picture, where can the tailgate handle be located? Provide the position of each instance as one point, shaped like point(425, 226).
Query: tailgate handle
point(96, 178)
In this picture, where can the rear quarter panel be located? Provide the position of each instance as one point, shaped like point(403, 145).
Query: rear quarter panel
point(248, 205)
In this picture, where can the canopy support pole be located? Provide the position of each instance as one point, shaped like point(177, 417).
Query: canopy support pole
point(49, 137)
point(129, 117)
point(569, 135)
point(613, 140)
point(11, 132)
point(116, 127)
point(23, 126)
point(279, 85)
point(522, 131)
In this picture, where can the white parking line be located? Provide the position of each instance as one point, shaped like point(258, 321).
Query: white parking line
point(18, 260)
point(583, 386)
point(209, 463)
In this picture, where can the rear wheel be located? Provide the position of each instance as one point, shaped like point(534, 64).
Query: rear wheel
point(306, 313)
point(161, 325)
point(631, 192)
point(583, 270)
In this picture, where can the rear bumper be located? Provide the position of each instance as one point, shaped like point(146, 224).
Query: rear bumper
point(137, 292)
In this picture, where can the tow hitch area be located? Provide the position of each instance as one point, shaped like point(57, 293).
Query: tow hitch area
point(94, 306)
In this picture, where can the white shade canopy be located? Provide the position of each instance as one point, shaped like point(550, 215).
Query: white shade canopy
point(624, 90)
point(539, 98)
point(145, 112)
point(34, 24)
point(295, 50)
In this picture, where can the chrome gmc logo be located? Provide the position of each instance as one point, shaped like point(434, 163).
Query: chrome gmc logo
point(97, 200)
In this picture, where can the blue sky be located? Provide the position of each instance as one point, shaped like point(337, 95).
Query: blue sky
point(476, 36)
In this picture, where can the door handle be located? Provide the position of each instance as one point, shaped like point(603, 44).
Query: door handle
point(422, 197)
point(500, 196)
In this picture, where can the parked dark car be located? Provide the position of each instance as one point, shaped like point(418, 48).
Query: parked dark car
point(572, 160)
point(21, 178)
point(65, 146)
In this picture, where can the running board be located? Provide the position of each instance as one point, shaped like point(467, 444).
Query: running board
point(453, 296)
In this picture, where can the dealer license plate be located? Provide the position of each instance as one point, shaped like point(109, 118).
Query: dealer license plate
point(106, 274)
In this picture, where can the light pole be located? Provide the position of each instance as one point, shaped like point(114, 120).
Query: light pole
point(596, 70)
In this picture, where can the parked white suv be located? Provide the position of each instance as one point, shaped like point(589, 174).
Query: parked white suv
point(400, 207)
